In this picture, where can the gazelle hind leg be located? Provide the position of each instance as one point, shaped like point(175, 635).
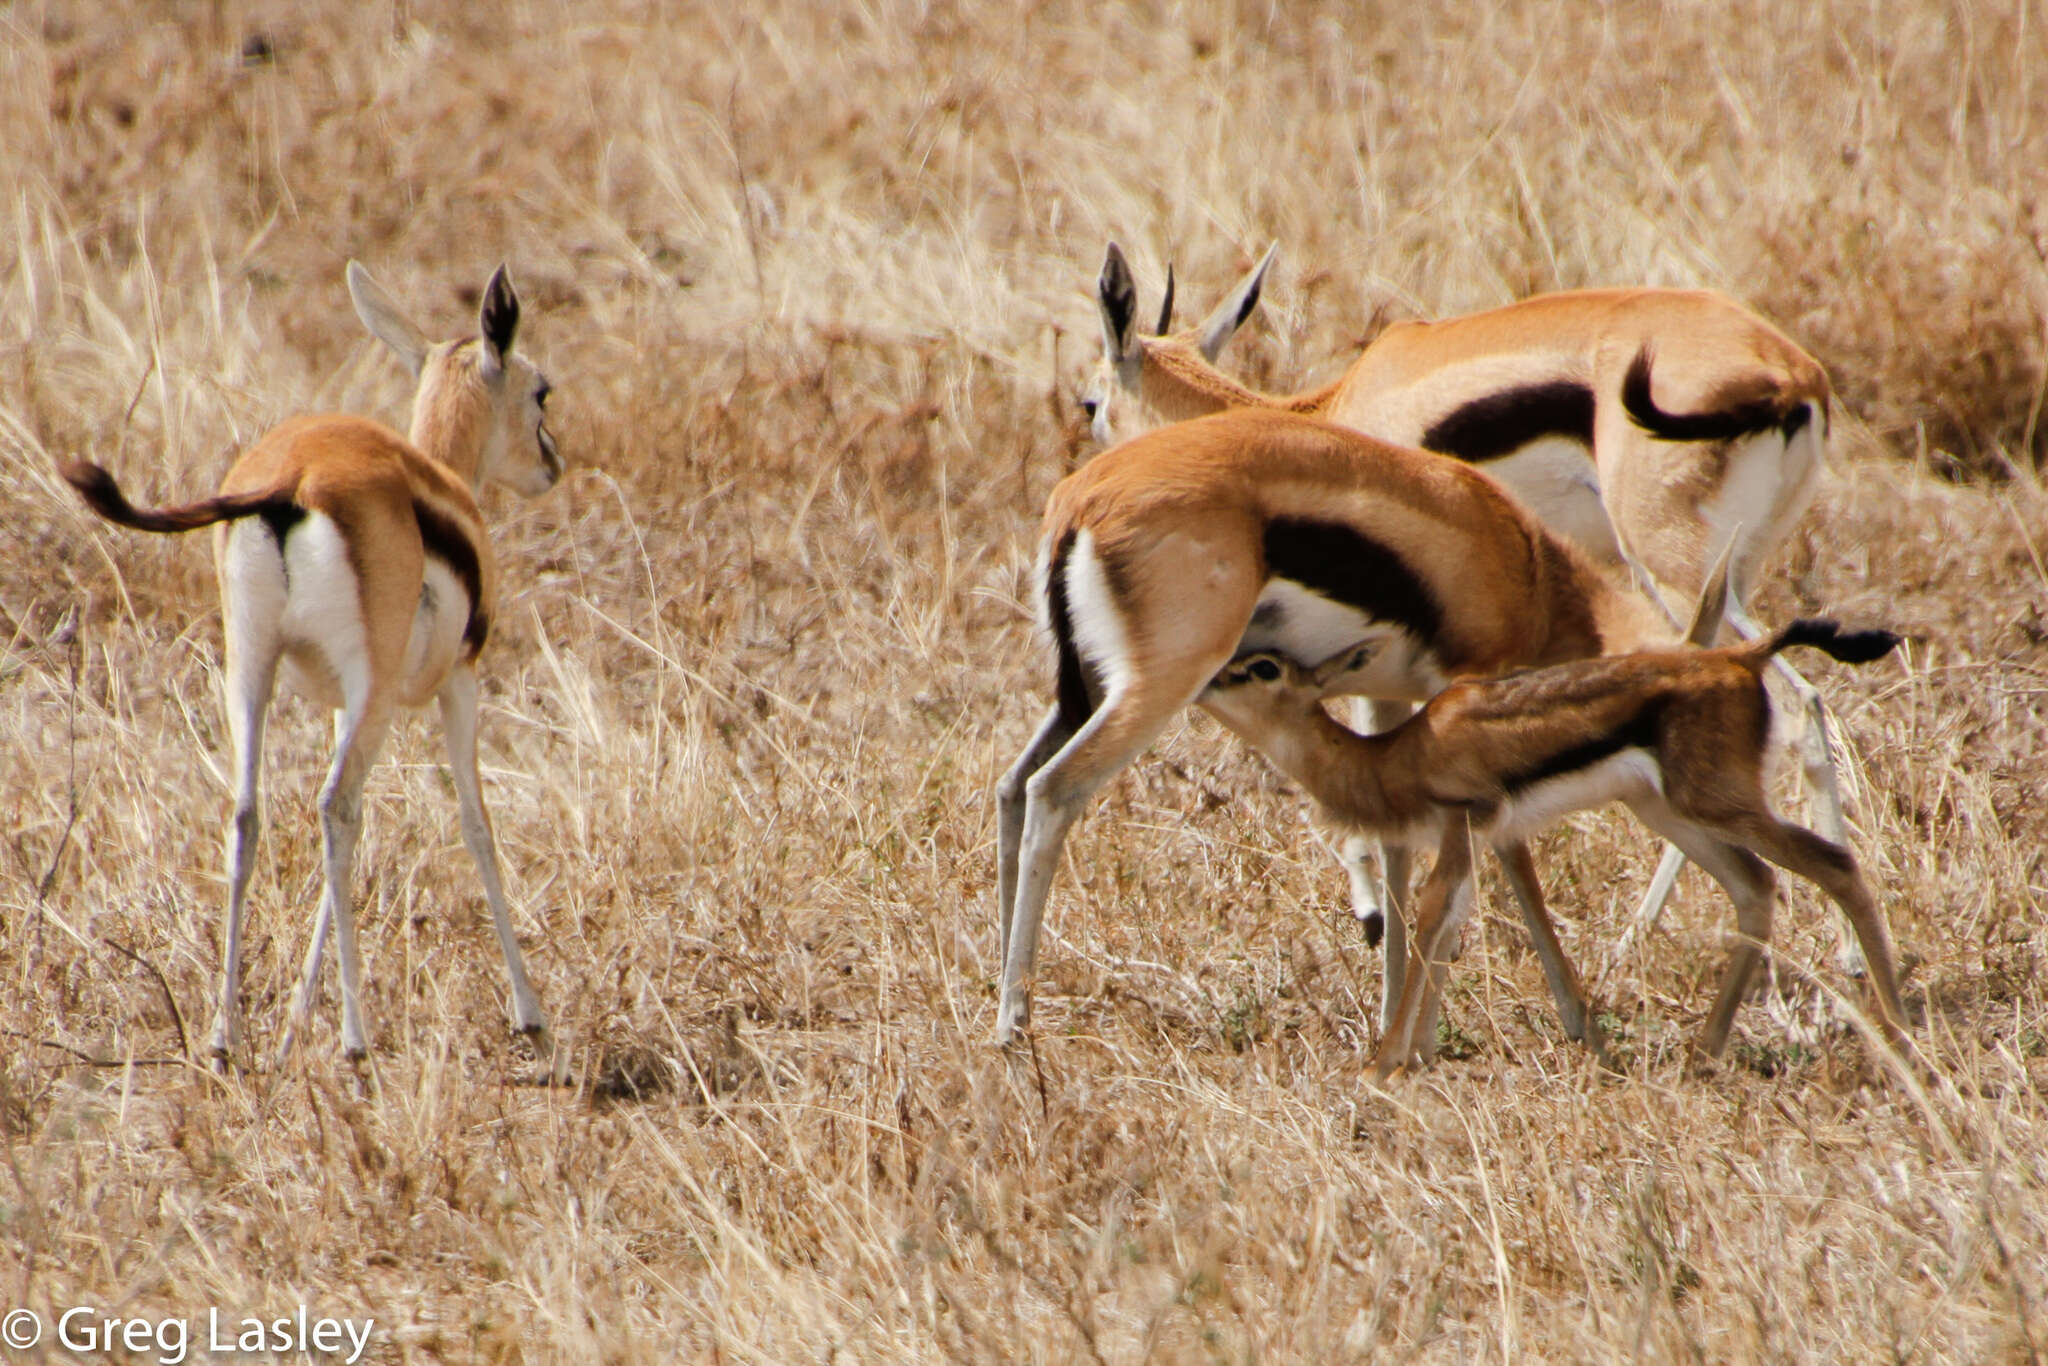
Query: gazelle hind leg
point(458, 700)
point(1832, 868)
point(1127, 721)
point(1052, 734)
point(1750, 885)
point(341, 822)
point(251, 681)
point(1820, 769)
point(1655, 896)
point(1565, 987)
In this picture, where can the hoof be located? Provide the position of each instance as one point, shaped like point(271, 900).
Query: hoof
point(1374, 923)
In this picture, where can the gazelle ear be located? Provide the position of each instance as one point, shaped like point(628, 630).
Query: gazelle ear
point(1706, 615)
point(385, 320)
point(498, 319)
point(1222, 323)
point(1348, 660)
point(1116, 292)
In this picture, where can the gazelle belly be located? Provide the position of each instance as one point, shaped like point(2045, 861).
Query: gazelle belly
point(1619, 777)
point(437, 628)
point(1555, 478)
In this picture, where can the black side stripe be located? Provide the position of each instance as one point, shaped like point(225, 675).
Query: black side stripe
point(1342, 564)
point(1639, 732)
point(448, 541)
point(1076, 703)
point(1503, 422)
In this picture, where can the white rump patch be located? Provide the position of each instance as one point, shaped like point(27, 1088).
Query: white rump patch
point(1765, 486)
point(325, 644)
point(1626, 776)
point(1099, 633)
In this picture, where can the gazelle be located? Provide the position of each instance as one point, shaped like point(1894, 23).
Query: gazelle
point(1554, 397)
point(1679, 737)
point(1165, 558)
point(354, 562)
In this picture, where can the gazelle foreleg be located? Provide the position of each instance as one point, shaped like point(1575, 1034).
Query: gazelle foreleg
point(1440, 910)
point(458, 698)
point(1382, 910)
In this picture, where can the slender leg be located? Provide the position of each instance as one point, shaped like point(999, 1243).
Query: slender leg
point(1753, 889)
point(1565, 988)
point(1817, 750)
point(1386, 914)
point(1052, 734)
point(1440, 909)
point(1127, 721)
point(1652, 904)
point(251, 678)
point(1832, 867)
point(363, 727)
point(458, 719)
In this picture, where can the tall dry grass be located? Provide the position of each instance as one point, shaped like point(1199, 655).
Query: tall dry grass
point(812, 281)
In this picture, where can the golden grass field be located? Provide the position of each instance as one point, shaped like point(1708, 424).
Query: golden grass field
point(814, 285)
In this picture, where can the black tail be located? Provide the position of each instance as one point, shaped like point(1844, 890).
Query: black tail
point(1076, 699)
point(1851, 647)
point(104, 496)
point(1742, 419)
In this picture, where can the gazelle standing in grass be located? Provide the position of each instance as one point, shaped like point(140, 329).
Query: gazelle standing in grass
point(1165, 558)
point(353, 561)
point(1554, 397)
point(1679, 737)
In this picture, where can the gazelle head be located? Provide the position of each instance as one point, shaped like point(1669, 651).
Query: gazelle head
point(1255, 692)
point(1115, 397)
point(479, 408)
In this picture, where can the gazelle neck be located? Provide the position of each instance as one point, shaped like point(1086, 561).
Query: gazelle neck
point(450, 419)
point(1348, 774)
point(1178, 384)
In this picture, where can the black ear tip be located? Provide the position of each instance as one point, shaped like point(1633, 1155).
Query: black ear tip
point(500, 318)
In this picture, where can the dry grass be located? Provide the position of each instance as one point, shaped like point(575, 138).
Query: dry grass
point(812, 284)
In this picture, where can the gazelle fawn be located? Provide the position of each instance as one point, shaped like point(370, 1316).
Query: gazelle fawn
point(353, 565)
point(1679, 737)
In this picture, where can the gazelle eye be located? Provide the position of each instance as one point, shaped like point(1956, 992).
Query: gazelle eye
point(540, 395)
point(1089, 405)
point(1265, 670)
